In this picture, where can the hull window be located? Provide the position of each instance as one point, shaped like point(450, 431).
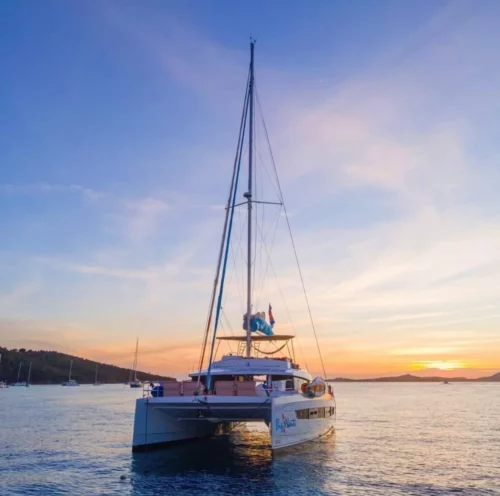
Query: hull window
point(302, 414)
point(315, 413)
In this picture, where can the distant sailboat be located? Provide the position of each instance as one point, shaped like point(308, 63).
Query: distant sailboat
point(3, 384)
point(28, 383)
point(18, 382)
point(96, 382)
point(135, 383)
point(70, 381)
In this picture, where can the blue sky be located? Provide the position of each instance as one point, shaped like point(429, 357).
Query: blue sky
point(119, 123)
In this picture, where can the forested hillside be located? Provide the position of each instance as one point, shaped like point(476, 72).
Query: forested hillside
point(51, 367)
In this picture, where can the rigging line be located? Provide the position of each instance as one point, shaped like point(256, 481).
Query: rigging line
point(224, 230)
point(261, 114)
point(225, 334)
point(255, 254)
point(228, 323)
point(294, 248)
point(284, 301)
point(219, 260)
point(233, 256)
point(217, 349)
point(259, 156)
point(228, 241)
point(235, 268)
point(268, 253)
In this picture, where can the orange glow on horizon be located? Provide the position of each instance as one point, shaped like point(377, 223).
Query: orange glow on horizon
point(178, 358)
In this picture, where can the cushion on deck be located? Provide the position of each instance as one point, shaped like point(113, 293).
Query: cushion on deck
point(172, 388)
point(190, 387)
point(246, 388)
point(224, 388)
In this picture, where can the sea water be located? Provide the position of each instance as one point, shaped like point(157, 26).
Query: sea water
point(390, 439)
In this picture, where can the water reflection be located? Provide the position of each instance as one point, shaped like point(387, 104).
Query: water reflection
point(236, 452)
point(391, 439)
point(244, 456)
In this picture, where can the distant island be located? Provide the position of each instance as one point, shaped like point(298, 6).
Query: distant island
point(52, 367)
point(414, 378)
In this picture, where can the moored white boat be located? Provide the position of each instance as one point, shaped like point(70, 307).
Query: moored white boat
point(18, 382)
point(254, 384)
point(96, 382)
point(70, 382)
point(133, 381)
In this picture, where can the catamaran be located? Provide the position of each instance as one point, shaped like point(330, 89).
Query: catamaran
point(253, 384)
point(133, 381)
point(70, 381)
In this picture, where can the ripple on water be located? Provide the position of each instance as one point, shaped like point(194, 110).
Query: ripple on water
point(391, 439)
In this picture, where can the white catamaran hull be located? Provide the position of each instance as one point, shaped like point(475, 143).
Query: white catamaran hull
point(298, 421)
point(161, 421)
point(157, 424)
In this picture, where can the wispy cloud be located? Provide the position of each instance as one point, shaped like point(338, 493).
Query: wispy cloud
point(411, 132)
point(12, 298)
point(133, 274)
point(143, 217)
point(45, 188)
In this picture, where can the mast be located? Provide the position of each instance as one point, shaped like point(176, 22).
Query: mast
point(96, 365)
point(19, 372)
point(135, 359)
point(70, 367)
point(248, 196)
point(29, 376)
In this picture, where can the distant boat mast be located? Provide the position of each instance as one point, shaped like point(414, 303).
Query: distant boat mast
point(134, 366)
point(29, 376)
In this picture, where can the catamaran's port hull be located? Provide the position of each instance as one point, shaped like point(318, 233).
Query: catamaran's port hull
point(167, 420)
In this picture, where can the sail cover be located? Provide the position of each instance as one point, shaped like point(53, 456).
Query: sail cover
point(258, 324)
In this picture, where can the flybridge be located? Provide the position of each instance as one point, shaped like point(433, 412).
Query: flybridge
point(239, 365)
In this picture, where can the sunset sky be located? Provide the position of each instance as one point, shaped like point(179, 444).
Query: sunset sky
point(118, 128)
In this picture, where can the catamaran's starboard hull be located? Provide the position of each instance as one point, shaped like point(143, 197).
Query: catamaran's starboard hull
point(162, 421)
point(295, 422)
